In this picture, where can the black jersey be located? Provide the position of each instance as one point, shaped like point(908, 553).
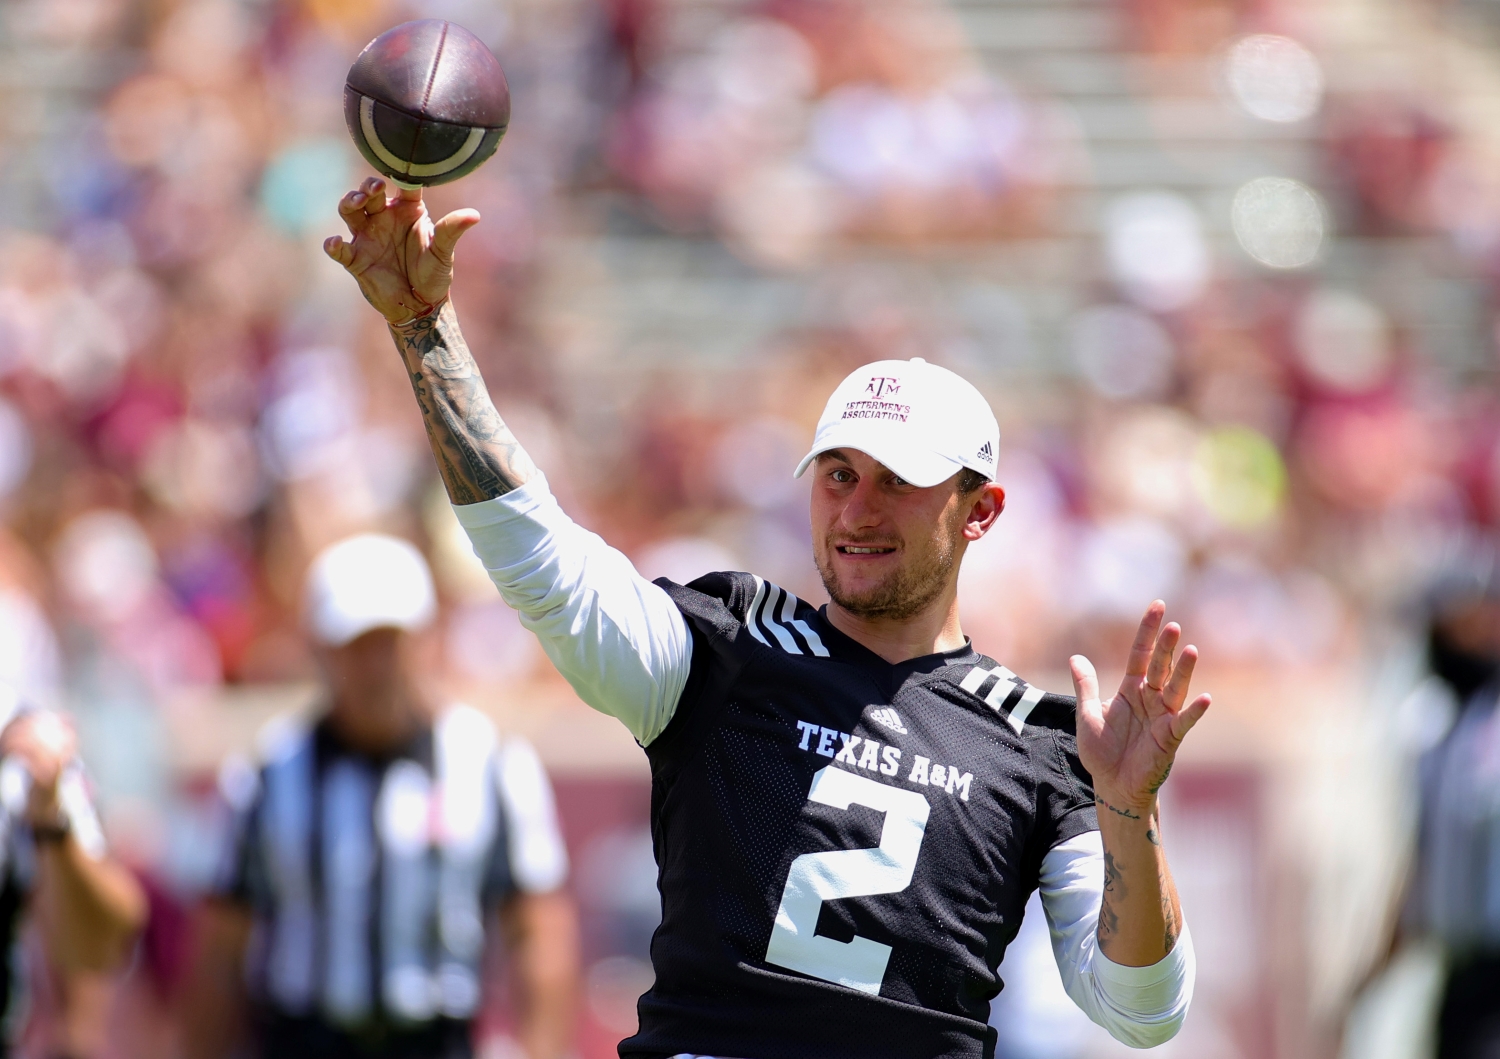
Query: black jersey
point(845, 846)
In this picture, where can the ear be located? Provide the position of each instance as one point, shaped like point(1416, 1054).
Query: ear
point(986, 508)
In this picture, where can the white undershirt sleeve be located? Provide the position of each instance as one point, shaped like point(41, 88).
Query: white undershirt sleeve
point(1139, 1006)
point(617, 638)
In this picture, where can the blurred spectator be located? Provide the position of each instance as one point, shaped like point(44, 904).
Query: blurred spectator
point(373, 850)
point(87, 908)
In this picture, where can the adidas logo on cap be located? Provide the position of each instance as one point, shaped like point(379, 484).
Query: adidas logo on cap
point(986, 453)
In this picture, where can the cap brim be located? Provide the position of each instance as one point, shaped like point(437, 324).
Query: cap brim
point(334, 628)
point(922, 468)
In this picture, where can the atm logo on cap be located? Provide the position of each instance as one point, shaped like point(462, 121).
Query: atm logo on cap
point(883, 386)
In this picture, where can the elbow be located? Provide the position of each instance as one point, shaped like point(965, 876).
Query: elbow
point(1142, 1007)
point(1140, 1032)
point(1146, 1025)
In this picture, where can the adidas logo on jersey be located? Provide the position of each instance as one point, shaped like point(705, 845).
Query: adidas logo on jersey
point(887, 717)
point(986, 453)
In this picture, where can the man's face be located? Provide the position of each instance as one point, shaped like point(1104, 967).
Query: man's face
point(885, 548)
point(369, 678)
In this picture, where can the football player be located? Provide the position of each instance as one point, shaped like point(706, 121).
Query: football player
point(850, 805)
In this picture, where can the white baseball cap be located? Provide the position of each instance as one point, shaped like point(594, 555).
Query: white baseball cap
point(368, 581)
point(923, 422)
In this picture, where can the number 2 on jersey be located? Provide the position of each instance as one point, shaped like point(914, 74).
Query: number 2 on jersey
point(818, 877)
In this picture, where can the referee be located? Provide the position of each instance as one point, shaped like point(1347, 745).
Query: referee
point(374, 850)
point(850, 805)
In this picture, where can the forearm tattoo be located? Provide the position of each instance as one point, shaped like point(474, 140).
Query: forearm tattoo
point(1171, 927)
point(477, 455)
point(1114, 890)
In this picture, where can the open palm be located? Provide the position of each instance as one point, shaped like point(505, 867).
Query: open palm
point(1128, 743)
point(402, 259)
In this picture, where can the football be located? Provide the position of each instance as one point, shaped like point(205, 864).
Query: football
point(426, 102)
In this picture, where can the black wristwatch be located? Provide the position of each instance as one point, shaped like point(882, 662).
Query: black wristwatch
point(56, 830)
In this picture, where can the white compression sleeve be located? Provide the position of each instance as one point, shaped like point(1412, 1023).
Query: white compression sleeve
point(617, 638)
point(1139, 1006)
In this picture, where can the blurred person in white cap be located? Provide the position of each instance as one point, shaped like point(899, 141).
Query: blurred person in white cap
point(379, 846)
point(55, 869)
point(850, 804)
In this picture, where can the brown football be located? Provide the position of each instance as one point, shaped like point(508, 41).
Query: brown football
point(426, 102)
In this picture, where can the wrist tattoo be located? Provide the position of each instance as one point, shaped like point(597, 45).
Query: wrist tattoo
point(1126, 813)
point(1160, 780)
point(477, 455)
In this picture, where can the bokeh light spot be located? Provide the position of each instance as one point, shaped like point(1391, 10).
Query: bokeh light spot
point(1239, 476)
point(1122, 352)
point(1343, 341)
point(302, 185)
point(1156, 249)
point(1278, 221)
point(1274, 78)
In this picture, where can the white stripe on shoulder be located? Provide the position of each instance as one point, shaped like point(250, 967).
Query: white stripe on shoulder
point(773, 611)
point(1017, 718)
point(768, 616)
point(760, 595)
point(789, 617)
point(1002, 689)
point(974, 678)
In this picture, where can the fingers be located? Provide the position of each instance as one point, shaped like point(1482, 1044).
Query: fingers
point(365, 201)
point(1160, 667)
point(339, 250)
point(352, 209)
point(1183, 722)
point(447, 232)
point(373, 190)
point(410, 194)
point(22, 734)
point(1085, 680)
point(1174, 692)
point(1145, 640)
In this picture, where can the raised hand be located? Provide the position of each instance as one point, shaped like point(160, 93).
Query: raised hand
point(45, 744)
point(402, 259)
point(1128, 743)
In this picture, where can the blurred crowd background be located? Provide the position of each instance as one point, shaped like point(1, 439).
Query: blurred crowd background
point(1227, 270)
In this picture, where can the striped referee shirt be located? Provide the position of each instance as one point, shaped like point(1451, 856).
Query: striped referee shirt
point(370, 878)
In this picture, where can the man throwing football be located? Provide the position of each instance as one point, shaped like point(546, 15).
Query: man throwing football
point(850, 805)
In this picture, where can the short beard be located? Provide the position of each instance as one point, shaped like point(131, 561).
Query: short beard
point(902, 596)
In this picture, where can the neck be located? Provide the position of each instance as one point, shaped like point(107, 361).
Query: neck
point(936, 628)
point(381, 726)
